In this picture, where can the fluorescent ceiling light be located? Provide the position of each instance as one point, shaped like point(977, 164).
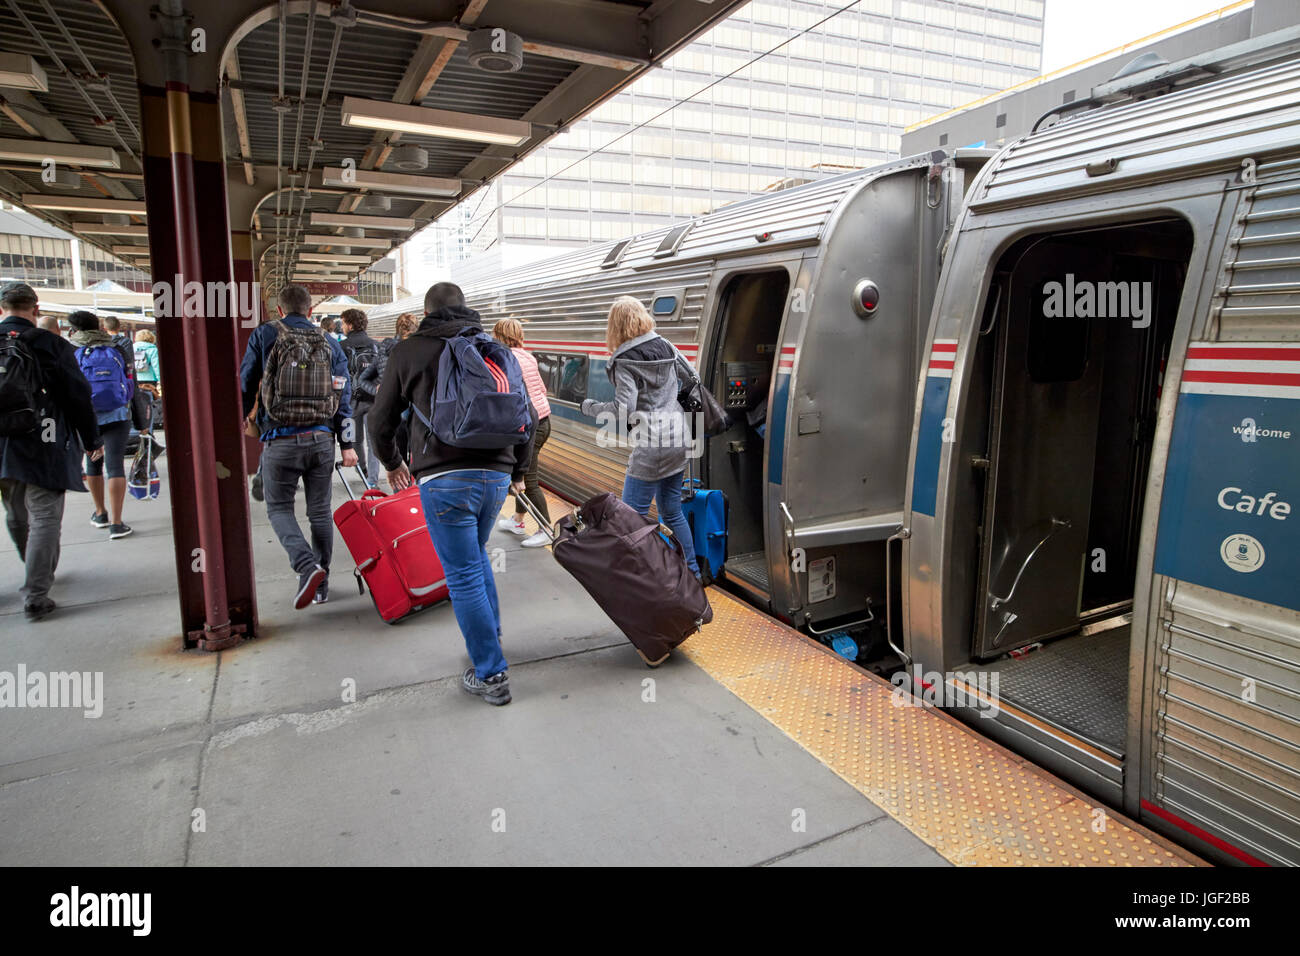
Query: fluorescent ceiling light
point(130, 250)
point(99, 229)
point(366, 222)
point(82, 204)
point(22, 72)
point(332, 257)
point(357, 241)
point(390, 182)
point(421, 120)
point(70, 154)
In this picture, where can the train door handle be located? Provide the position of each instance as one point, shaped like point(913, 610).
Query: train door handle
point(787, 527)
point(900, 535)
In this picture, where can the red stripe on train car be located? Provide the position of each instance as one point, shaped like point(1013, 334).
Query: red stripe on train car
point(1194, 830)
point(1232, 377)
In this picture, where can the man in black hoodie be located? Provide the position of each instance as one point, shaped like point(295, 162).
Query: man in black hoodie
point(38, 468)
point(461, 489)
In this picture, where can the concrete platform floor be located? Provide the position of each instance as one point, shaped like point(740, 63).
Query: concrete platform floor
point(253, 756)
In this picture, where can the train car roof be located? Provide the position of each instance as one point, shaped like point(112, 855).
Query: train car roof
point(1195, 130)
point(784, 219)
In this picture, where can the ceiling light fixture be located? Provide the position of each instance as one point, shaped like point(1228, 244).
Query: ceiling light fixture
point(366, 222)
point(21, 72)
point(391, 182)
point(425, 121)
point(70, 154)
point(82, 204)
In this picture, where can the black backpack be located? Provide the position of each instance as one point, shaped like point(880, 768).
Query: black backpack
point(367, 382)
point(360, 358)
point(20, 383)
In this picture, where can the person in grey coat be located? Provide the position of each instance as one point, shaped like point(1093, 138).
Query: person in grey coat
point(643, 368)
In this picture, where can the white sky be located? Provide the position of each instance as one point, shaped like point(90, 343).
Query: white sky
point(1074, 30)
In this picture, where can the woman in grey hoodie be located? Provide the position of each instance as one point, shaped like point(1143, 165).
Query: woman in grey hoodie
point(645, 415)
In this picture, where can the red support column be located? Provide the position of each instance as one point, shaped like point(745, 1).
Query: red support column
point(199, 346)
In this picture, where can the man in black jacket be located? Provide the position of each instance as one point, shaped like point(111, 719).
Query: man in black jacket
point(362, 352)
point(36, 470)
point(461, 489)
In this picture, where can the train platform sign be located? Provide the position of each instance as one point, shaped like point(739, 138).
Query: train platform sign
point(331, 288)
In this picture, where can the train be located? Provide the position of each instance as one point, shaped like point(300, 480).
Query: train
point(1033, 425)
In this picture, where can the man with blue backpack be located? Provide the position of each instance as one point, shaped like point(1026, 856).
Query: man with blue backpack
point(110, 369)
point(471, 434)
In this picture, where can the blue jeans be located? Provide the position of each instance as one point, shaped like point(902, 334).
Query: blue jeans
point(668, 493)
point(461, 509)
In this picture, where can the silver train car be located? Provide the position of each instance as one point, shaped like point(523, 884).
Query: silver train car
point(1100, 552)
point(817, 296)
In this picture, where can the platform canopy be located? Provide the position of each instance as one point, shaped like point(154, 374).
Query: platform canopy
point(392, 110)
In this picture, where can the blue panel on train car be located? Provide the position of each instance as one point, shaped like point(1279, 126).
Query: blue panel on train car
point(1230, 516)
point(776, 429)
point(929, 445)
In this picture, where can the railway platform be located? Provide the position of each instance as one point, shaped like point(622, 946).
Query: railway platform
point(335, 739)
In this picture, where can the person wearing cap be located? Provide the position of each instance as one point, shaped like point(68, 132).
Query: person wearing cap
point(38, 468)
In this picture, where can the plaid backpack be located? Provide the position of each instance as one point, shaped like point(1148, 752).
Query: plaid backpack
point(298, 387)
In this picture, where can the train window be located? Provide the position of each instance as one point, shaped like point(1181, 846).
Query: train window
point(664, 305)
point(599, 387)
point(572, 379)
point(565, 376)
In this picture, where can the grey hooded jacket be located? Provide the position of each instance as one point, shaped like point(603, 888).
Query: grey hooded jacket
point(644, 372)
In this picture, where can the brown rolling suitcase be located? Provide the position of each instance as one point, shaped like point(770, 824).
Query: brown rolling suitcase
point(637, 577)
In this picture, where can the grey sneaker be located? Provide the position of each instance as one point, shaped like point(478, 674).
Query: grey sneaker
point(309, 583)
point(100, 520)
point(322, 592)
point(495, 690)
point(119, 530)
point(257, 487)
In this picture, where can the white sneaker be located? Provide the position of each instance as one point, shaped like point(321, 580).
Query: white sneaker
point(513, 526)
point(539, 540)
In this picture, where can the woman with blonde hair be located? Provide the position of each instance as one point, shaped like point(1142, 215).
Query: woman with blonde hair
point(643, 369)
point(510, 333)
point(148, 376)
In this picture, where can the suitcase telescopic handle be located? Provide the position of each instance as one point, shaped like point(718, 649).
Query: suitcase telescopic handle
point(541, 522)
point(365, 482)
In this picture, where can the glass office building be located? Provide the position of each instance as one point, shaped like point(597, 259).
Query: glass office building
point(834, 99)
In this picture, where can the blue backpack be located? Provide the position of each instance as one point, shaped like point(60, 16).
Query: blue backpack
point(110, 382)
point(480, 400)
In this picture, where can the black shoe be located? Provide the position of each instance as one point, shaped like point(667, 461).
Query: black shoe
point(495, 690)
point(100, 520)
point(119, 530)
point(322, 592)
point(257, 487)
point(308, 583)
point(40, 608)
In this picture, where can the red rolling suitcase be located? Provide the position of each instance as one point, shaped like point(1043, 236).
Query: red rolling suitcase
point(635, 569)
point(390, 543)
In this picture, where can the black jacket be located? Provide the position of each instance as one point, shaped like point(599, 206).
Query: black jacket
point(56, 464)
point(409, 380)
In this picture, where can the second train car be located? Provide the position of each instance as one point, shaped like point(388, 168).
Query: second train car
point(814, 298)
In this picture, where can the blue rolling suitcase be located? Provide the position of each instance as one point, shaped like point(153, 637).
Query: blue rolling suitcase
point(706, 512)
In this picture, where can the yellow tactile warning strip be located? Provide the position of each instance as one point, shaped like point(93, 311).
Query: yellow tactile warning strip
point(973, 801)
